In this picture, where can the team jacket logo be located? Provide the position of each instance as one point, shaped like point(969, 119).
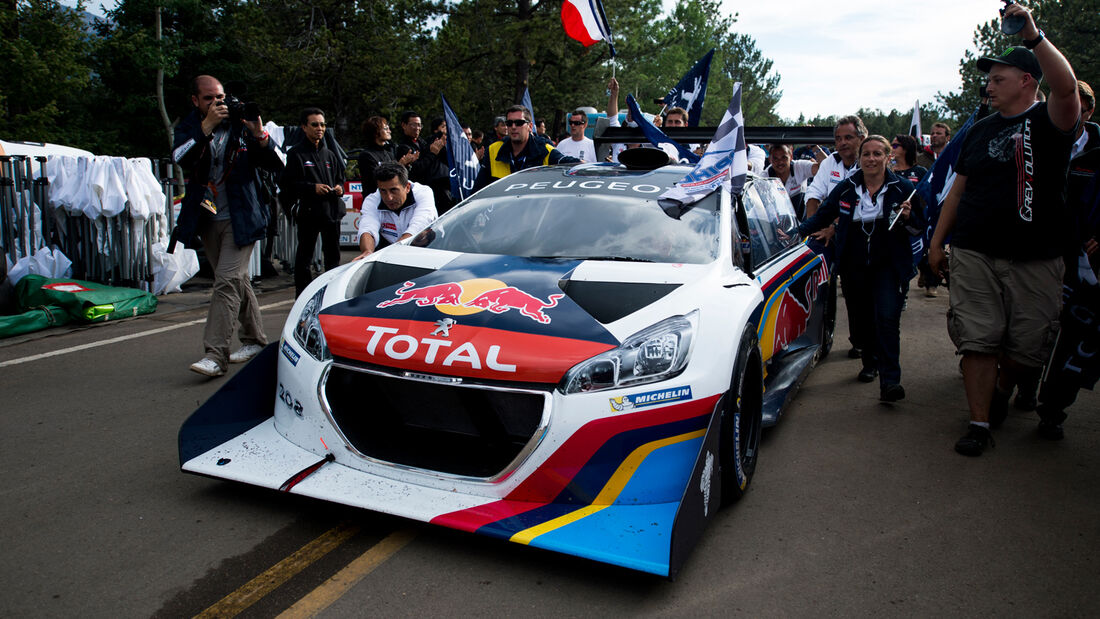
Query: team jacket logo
point(472, 296)
point(650, 398)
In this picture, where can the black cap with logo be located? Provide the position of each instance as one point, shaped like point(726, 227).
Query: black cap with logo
point(1020, 57)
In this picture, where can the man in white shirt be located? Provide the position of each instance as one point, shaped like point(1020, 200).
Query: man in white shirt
point(793, 174)
point(398, 210)
point(848, 135)
point(577, 145)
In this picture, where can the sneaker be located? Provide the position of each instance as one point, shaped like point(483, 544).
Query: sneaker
point(1050, 431)
point(930, 292)
point(867, 375)
point(975, 441)
point(207, 367)
point(892, 393)
point(244, 353)
point(998, 408)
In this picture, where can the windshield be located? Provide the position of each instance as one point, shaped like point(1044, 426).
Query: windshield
point(592, 226)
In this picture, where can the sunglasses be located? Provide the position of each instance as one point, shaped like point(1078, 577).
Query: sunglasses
point(315, 125)
point(576, 123)
point(895, 145)
point(512, 122)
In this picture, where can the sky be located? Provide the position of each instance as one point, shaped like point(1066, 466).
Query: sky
point(836, 57)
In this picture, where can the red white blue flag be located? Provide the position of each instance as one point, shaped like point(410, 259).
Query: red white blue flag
point(584, 20)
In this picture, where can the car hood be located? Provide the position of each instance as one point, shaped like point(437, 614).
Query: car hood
point(491, 317)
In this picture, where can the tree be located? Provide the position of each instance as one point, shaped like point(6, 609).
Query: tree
point(44, 73)
point(685, 35)
point(1072, 25)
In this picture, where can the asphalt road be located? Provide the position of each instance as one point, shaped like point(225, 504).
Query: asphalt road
point(857, 508)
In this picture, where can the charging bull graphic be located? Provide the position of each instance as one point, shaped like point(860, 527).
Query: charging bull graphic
point(428, 295)
point(503, 299)
point(794, 313)
point(496, 300)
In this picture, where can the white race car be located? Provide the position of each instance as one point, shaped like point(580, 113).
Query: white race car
point(556, 361)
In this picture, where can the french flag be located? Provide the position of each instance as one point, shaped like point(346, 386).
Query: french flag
point(584, 20)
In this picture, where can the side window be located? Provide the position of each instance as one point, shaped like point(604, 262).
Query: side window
point(771, 219)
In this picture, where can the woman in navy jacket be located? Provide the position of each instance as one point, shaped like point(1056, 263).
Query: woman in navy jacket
point(874, 259)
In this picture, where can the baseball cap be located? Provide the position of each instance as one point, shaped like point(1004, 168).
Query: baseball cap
point(1020, 57)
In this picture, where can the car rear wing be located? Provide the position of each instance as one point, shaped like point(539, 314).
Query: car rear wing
point(697, 135)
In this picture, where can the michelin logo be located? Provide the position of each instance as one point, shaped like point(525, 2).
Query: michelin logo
point(291, 355)
point(650, 398)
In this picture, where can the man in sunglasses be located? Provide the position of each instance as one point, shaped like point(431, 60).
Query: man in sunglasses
point(519, 152)
point(577, 145)
point(314, 177)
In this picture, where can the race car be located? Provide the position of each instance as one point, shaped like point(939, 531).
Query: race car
point(557, 361)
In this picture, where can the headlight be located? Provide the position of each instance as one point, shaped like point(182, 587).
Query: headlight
point(308, 330)
point(656, 353)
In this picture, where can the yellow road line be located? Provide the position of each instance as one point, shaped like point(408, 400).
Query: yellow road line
point(609, 493)
point(334, 588)
point(255, 589)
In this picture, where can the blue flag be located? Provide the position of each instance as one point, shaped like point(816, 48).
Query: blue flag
point(691, 90)
point(935, 185)
point(655, 135)
point(725, 162)
point(527, 102)
point(461, 160)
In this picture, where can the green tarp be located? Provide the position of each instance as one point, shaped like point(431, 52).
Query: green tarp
point(52, 302)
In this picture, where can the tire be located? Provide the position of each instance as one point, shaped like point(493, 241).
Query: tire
point(742, 419)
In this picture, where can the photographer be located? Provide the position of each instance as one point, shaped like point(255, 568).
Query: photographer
point(220, 144)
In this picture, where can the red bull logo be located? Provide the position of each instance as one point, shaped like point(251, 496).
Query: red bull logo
point(428, 295)
point(503, 299)
point(475, 295)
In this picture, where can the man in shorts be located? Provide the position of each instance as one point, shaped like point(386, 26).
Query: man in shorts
point(1006, 211)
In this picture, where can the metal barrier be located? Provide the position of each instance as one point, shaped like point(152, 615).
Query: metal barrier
point(115, 250)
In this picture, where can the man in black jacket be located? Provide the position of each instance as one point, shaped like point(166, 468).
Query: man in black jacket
point(314, 177)
point(222, 206)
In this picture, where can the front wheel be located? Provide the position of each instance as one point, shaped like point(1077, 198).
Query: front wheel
point(742, 419)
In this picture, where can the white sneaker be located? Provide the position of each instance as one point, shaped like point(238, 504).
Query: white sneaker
point(207, 367)
point(244, 353)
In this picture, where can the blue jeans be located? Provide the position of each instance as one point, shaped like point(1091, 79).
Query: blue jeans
point(874, 297)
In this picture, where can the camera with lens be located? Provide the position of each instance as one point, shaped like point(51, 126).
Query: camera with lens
point(239, 110)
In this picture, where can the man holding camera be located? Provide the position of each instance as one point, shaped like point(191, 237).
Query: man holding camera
point(1007, 212)
point(220, 144)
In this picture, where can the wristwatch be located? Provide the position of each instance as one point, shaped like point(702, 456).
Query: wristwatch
point(1032, 43)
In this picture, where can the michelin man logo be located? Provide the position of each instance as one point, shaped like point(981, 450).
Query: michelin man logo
point(704, 481)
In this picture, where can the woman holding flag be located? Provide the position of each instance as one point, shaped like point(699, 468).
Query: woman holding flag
point(874, 257)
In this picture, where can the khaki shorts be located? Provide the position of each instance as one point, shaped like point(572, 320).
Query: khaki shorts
point(1004, 306)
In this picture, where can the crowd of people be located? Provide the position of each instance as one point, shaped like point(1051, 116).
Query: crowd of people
point(1017, 233)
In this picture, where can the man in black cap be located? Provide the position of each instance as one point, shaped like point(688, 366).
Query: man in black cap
point(1006, 211)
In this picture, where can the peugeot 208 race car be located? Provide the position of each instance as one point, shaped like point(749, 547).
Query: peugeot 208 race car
point(556, 361)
